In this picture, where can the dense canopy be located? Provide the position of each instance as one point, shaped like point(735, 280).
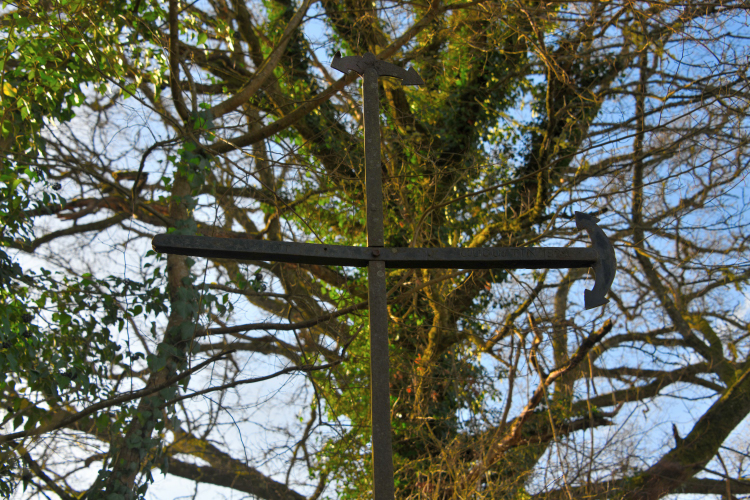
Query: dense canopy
point(131, 374)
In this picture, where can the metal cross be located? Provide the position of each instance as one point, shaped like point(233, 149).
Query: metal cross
point(600, 255)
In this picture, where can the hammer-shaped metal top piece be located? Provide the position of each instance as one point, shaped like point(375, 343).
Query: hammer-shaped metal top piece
point(606, 263)
point(361, 63)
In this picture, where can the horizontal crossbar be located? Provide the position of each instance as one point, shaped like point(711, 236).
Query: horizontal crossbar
point(400, 258)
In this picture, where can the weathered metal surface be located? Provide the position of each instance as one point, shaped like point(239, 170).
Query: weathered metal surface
point(606, 262)
point(600, 256)
point(398, 258)
point(360, 63)
point(380, 400)
point(382, 455)
point(373, 174)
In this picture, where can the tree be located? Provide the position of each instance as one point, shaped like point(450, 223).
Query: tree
point(224, 119)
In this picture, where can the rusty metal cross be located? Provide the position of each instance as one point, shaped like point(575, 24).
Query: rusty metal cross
point(376, 257)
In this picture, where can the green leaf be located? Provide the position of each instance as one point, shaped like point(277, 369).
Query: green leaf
point(129, 90)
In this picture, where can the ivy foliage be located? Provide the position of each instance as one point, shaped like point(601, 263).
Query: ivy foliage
point(57, 333)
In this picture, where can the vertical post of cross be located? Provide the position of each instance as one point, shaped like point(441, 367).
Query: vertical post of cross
point(373, 174)
point(380, 402)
